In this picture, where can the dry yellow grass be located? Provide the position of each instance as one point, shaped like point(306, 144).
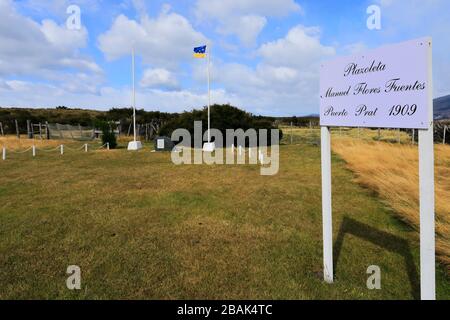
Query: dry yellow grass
point(12, 142)
point(392, 171)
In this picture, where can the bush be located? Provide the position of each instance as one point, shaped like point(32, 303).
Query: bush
point(222, 117)
point(108, 136)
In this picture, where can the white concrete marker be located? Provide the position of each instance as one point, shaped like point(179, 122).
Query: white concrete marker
point(107, 146)
point(86, 148)
point(62, 149)
point(4, 153)
point(34, 151)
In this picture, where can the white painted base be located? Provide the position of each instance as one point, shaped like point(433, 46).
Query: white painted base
point(134, 145)
point(209, 147)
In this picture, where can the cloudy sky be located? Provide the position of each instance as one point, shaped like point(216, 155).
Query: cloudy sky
point(265, 53)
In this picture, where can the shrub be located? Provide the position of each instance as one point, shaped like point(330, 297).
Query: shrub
point(222, 117)
point(108, 136)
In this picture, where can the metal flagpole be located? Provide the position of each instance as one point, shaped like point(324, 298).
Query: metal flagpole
point(134, 96)
point(209, 93)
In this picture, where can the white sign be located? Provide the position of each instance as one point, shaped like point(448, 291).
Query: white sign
point(383, 88)
point(160, 144)
point(388, 87)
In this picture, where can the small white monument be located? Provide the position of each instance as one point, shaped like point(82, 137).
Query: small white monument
point(134, 145)
point(209, 147)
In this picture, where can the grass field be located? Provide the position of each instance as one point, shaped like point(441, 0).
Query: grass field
point(140, 227)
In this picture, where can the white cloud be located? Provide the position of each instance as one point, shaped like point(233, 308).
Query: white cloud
point(30, 48)
point(247, 28)
point(245, 19)
point(164, 41)
point(418, 18)
point(19, 94)
point(62, 38)
point(284, 82)
point(300, 48)
point(158, 77)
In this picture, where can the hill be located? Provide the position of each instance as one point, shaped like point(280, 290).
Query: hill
point(442, 108)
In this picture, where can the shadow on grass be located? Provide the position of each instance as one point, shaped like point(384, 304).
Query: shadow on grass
point(381, 239)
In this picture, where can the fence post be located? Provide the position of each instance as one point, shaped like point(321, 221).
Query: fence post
point(17, 129)
point(62, 149)
point(445, 129)
point(291, 133)
point(34, 151)
point(30, 135)
point(4, 154)
point(47, 131)
point(107, 146)
point(86, 147)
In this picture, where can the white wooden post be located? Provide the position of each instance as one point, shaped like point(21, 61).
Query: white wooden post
point(427, 233)
point(34, 151)
point(292, 134)
point(327, 223)
point(107, 146)
point(445, 129)
point(426, 187)
point(4, 154)
point(86, 148)
point(62, 149)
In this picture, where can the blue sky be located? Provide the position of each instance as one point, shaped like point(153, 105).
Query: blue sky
point(265, 53)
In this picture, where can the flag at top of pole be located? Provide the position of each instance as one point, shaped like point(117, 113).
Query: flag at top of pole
point(205, 52)
point(200, 52)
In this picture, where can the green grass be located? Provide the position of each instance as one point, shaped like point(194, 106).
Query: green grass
point(142, 228)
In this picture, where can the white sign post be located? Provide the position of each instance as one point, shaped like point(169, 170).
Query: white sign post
point(389, 87)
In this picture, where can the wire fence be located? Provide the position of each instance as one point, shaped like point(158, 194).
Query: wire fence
point(67, 131)
point(311, 135)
